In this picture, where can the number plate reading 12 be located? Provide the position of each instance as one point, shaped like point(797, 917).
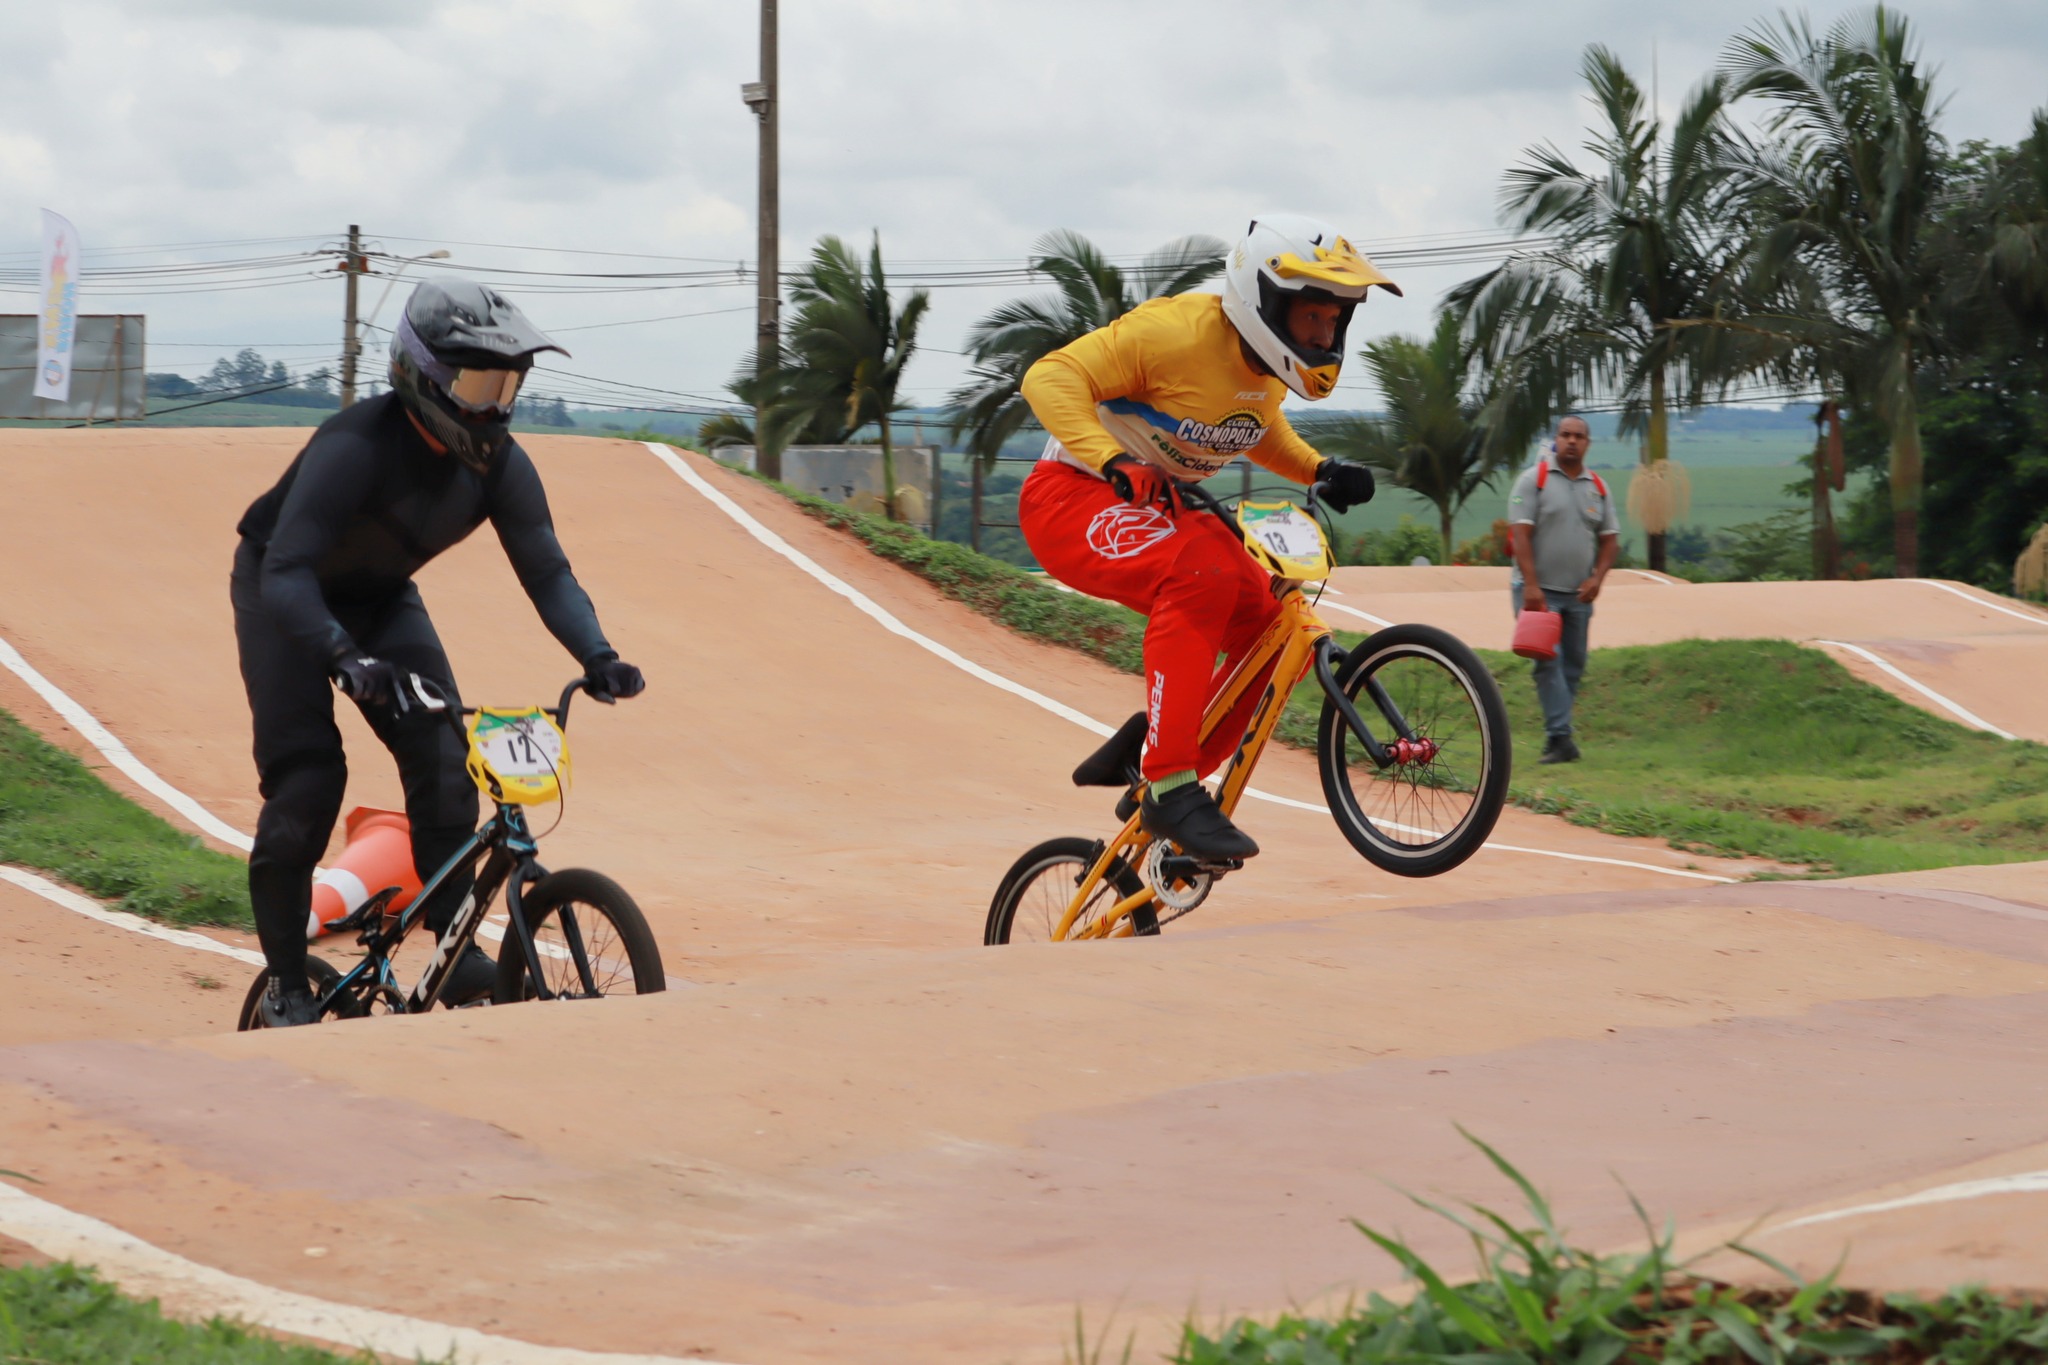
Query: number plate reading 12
point(520, 746)
point(1288, 534)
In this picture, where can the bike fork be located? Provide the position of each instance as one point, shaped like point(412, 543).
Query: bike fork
point(522, 933)
point(1328, 658)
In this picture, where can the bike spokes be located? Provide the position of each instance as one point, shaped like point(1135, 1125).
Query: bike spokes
point(581, 955)
point(1426, 801)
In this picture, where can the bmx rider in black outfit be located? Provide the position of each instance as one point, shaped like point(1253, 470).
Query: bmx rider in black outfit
point(323, 594)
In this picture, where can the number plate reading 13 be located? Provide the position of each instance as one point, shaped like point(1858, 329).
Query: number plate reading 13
point(1288, 534)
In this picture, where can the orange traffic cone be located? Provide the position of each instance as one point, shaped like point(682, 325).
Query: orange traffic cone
point(378, 854)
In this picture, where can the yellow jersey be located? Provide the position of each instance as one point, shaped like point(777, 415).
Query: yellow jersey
point(1167, 383)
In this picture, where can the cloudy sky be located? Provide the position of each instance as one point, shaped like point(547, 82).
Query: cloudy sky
point(960, 129)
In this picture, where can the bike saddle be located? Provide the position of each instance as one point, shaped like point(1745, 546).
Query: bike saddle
point(1115, 764)
point(367, 915)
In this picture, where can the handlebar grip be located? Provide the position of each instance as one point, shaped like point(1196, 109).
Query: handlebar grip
point(426, 693)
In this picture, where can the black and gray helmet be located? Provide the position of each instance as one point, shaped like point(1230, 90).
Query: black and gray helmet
point(457, 359)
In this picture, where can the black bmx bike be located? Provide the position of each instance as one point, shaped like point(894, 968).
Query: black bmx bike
point(568, 935)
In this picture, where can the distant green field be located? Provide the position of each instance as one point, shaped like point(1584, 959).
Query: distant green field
point(1725, 493)
point(1722, 496)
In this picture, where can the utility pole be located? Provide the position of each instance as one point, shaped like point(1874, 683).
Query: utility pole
point(761, 97)
point(352, 266)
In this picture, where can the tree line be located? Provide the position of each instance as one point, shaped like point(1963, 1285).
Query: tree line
point(248, 375)
point(1843, 249)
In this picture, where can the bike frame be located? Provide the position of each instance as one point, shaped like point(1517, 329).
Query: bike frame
point(510, 857)
point(1295, 642)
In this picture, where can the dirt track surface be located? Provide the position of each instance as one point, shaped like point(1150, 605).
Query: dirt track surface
point(855, 1135)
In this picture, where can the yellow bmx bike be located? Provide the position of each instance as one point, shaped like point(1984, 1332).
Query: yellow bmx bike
point(1412, 744)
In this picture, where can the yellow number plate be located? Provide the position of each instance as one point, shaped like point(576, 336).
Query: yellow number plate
point(518, 756)
point(1285, 539)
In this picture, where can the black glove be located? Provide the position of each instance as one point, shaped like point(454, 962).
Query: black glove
point(606, 676)
point(370, 682)
point(1350, 485)
point(1139, 483)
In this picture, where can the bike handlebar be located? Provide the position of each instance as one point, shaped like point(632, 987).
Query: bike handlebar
point(428, 696)
point(1201, 499)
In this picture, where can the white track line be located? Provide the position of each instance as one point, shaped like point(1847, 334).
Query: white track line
point(888, 621)
point(1665, 579)
point(119, 919)
point(142, 1268)
point(1967, 716)
point(2031, 1182)
point(1979, 602)
point(1354, 611)
point(118, 754)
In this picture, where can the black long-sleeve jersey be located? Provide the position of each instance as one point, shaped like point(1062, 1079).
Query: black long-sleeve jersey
point(368, 502)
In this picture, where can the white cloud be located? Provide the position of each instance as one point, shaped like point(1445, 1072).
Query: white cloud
point(961, 131)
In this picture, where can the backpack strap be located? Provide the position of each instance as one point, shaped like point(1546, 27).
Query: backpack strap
point(1543, 473)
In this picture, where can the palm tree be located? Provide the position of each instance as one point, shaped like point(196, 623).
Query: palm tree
point(1851, 179)
point(847, 347)
point(763, 392)
point(1089, 293)
point(1640, 239)
point(1433, 440)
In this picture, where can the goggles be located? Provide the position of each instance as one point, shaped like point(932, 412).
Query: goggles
point(483, 391)
point(480, 392)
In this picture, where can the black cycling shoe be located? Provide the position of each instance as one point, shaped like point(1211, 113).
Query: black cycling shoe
point(472, 979)
point(1189, 817)
point(283, 1007)
point(1115, 764)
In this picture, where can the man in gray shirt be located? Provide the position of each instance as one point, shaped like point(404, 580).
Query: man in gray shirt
point(1566, 537)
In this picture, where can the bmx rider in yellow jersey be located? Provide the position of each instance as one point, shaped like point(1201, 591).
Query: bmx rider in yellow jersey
point(1167, 395)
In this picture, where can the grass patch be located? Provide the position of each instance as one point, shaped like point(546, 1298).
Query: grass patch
point(57, 816)
point(1537, 1298)
point(1767, 749)
point(1025, 602)
point(62, 1315)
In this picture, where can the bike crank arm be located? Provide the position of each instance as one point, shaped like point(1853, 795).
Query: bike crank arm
point(1326, 675)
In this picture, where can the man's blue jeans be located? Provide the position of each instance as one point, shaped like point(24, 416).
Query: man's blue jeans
point(1557, 679)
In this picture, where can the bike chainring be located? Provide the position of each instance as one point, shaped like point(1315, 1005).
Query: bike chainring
point(1177, 895)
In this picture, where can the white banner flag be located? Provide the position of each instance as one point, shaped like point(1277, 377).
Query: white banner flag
point(57, 308)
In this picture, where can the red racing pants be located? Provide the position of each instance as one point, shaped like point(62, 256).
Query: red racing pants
point(1203, 596)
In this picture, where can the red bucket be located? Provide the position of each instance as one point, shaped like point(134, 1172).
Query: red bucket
point(1537, 634)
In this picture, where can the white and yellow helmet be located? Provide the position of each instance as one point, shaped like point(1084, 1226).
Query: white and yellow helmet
point(1286, 257)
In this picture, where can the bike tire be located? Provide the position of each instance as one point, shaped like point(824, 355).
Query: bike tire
point(320, 978)
point(1474, 733)
point(1048, 859)
point(624, 958)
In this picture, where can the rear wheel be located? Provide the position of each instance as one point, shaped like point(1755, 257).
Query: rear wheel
point(1035, 893)
point(321, 975)
point(582, 922)
point(1433, 807)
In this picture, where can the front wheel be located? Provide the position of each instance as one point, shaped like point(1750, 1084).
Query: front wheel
point(591, 938)
point(1426, 697)
point(1033, 897)
point(321, 976)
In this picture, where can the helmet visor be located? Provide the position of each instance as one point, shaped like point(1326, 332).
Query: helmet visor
point(484, 391)
point(1338, 268)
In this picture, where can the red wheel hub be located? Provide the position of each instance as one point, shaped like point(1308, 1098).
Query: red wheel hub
point(1406, 751)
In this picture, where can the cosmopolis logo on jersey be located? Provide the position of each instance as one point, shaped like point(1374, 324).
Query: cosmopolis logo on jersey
point(1234, 435)
point(1202, 448)
point(1182, 443)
